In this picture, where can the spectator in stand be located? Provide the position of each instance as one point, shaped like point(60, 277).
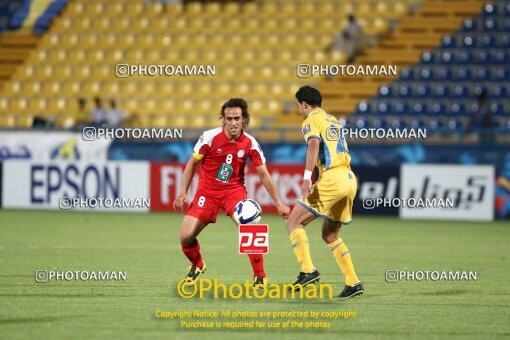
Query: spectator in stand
point(351, 40)
point(82, 117)
point(115, 116)
point(99, 113)
point(481, 119)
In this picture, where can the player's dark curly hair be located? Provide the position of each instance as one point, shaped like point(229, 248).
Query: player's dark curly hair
point(240, 103)
point(309, 95)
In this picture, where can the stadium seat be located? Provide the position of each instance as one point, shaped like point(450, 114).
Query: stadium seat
point(264, 40)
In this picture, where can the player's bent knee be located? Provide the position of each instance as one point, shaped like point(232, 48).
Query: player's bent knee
point(293, 221)
point(291, 224)
point(329, 237)
point(187, 238)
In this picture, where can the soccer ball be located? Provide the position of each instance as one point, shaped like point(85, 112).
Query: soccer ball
point(247, 212)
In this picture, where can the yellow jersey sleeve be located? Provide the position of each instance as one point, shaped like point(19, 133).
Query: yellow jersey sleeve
point(311, 127)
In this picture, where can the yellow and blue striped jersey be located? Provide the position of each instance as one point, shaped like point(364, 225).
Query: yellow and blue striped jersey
point(333, 151)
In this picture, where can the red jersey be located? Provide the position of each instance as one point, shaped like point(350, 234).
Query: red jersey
point(225, 160)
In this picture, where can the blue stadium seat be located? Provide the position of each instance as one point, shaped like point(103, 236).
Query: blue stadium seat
point(497, 8)
point(434, 124)
point(403, 90)
point(490, 9)
point(462, 57)
point(486, 41)
point(500, 57)
point(364, 107)
point(384, 107)
point(361, 123)
point(407, 74)
point(7, 9)
point(472, 90)
point(500, 74)
point(469, 25)
point(418, 108)
point(469, 41)
point(440, 92)
point(455, 125)
point(385, 91)
point(499, 91)
point(462, 73)
point(472, 108)
point(503, 123)
point(447, 57)
point(498, 123)
point(457, 108)
point(438, 108)
point(379, 123)
point(397, 123)
point(480, 73)
point(428, 58)
point(424, 73)
point(417, 123)
point(401, 108)
point(442, 73)
point(449, 41)
point(481, 56)
point(489, 24)
point(497, 108)
point(504, 41)
point(421, 90)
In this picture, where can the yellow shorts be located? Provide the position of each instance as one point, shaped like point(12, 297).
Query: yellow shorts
point(333, 195)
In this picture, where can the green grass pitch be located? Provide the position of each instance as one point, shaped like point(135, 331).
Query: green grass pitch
point(146, 246)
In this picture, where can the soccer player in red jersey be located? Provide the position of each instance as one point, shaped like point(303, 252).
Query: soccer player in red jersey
point(224, 152)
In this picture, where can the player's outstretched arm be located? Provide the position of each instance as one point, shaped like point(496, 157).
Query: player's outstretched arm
point(312, 153)
point(189, 171)
point(266, 180)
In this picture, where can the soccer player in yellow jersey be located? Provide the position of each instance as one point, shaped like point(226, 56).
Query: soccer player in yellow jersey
point(331, 197)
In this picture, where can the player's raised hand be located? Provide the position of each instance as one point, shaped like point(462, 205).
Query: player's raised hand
point(179, 201)
point(306, 189)
point(283, 210)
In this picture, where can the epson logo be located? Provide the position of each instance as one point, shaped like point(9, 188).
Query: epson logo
point(473, 192)
point(53, 181)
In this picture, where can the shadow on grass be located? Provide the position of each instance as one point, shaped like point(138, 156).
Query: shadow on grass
point(442, 292)
point(35, 320)
point(70, 296)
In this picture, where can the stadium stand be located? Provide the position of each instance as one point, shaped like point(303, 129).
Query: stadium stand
point(255, 49)
point(36, 15)
point(15, 47)
point(418, 32)
point(7, 56)
point(265, 40)
point(19, 21)
point(460, 86)
point(7, 9)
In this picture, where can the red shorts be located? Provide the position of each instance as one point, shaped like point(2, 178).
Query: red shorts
point(206, 203)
